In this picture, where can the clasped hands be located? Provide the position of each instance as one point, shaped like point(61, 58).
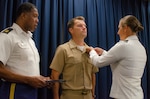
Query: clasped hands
point(98, 50)
point(39, 82)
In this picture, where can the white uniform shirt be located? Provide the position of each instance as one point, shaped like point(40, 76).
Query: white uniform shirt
point(18, 52)
point(127, 59)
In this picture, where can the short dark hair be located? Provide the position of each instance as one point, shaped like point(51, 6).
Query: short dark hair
point(71, 22)
point(133, 23)
point(25, 7)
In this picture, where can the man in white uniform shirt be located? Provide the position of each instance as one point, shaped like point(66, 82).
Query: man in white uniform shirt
point(19, 58)
point(127, 59)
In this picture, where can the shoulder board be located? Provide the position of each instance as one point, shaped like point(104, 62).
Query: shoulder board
point(7, 30)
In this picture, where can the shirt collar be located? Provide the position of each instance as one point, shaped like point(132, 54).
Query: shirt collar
point(72, 45)
point(19, 30)
point(132, 37)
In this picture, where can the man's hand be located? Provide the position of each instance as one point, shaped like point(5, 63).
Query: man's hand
point(38, 81)
point(49, 84)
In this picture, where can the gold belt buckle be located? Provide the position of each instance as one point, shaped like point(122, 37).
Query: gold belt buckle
point(84, 92)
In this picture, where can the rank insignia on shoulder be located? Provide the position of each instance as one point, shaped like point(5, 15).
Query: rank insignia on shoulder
point(7, 30)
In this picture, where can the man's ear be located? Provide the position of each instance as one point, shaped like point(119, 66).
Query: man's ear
point(70, 30)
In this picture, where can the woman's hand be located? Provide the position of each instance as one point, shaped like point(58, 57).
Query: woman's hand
point(98, 50)
point(88, 49)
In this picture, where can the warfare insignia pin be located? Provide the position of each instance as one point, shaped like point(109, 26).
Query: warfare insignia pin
point(7, 30)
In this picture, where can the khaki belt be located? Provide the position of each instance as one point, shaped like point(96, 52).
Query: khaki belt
point(83, 92)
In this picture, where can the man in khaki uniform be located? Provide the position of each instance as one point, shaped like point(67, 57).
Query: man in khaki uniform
point(72, 61)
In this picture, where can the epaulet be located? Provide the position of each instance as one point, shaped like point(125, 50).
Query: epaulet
point(7, 30)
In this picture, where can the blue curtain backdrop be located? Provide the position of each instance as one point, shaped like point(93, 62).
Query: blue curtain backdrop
point(102, 17)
